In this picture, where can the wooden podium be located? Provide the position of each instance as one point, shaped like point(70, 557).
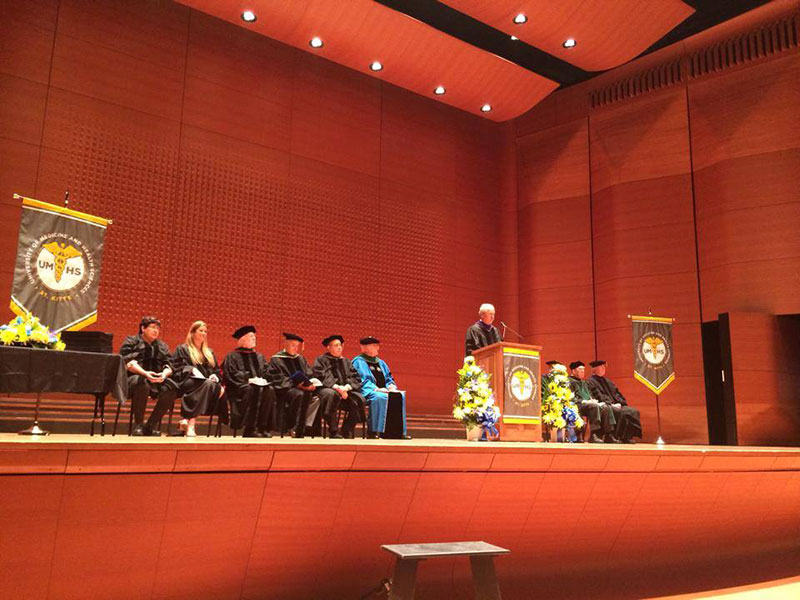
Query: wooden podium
point(516, 382)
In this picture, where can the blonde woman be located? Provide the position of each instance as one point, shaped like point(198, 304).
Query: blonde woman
point(198, 374)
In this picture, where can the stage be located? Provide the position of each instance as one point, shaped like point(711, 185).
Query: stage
point(101, 517)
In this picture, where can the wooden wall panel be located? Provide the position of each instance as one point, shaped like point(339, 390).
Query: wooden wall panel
point(315, 530)
point(644, 251)
point(29, 521)
point(336, 116)
point(115, 77)
point(226, 521)
point(28, 39)
point(745, 131)
point(554, 238)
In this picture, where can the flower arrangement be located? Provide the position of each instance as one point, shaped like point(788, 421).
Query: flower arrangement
point(558, 408)
point(29, 332)
point(474, 403)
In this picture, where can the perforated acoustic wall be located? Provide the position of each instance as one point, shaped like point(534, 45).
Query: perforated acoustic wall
point(252, 182)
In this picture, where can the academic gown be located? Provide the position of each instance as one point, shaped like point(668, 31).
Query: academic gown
point(478, 337)
point(600, 416)
point(375, 373)
point(251, 405)
point(629, 423)
point(153, 356)
point(331, 371)
point(302, 405)
point(199, 396)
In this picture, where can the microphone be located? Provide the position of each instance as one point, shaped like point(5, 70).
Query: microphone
point(518, 334)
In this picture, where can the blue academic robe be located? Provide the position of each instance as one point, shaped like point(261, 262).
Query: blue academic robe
point(378, 401)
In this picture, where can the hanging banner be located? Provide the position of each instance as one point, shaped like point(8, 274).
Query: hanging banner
point(653, 361)
point(57, 273)
point(521, 401)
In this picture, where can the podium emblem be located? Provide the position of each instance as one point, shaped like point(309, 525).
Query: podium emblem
point(522, 384)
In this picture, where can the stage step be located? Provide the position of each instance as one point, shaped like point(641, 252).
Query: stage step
point(64, 413)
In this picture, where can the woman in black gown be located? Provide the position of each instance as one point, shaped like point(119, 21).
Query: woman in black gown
point(197, 372)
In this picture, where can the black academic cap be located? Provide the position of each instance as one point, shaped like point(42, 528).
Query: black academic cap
point(243, 330)
point(575, 364)
point(597, 363)
point(330, 338)
point(292, 336)
point(550, 363)
point(369, 340)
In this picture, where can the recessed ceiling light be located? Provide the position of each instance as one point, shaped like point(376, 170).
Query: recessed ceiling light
point(569, 43)
point(486, 108)
point(376, 66)
point(439, 91)
point(316, 42)
point(520, 19)
point(515, 38)
point(249, 16)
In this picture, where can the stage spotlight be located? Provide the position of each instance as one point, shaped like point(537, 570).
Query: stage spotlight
point(569, 43)
point(514, 38)
point(439, 91)
point(316, 42)
point(486, 108)
point(376, 66)
point(520, 19)
point(249, 16)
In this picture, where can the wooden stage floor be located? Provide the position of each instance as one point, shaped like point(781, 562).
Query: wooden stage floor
point(122, 517)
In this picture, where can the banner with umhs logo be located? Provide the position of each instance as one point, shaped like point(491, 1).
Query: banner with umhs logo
point(653, 359)
point(57, 273)
point(521, 400)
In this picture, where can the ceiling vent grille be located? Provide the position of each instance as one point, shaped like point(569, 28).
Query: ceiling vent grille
point(658, 77)
point(757, 44)
point(754, 45)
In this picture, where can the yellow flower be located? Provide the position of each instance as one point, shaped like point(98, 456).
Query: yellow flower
point(60, 345)
point(7, 335)
point(39, 336)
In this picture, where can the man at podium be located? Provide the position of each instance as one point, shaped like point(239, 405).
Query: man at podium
point(482, 332)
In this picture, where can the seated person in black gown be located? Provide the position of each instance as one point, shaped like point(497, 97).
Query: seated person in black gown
point(629, 424)
point(341, 385)
point(482, 332)
point(295, 387)
point(598, 415)
point(199, 378)
point(251, 397)
point(148, 362)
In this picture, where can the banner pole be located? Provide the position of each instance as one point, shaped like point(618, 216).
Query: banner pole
point(35, 429)
point(660, 440)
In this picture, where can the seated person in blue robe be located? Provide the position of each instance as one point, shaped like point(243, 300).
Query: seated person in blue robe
point(378, 387)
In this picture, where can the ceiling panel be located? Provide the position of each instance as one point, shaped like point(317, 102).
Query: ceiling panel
point(608, 32)
point(415, 56)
